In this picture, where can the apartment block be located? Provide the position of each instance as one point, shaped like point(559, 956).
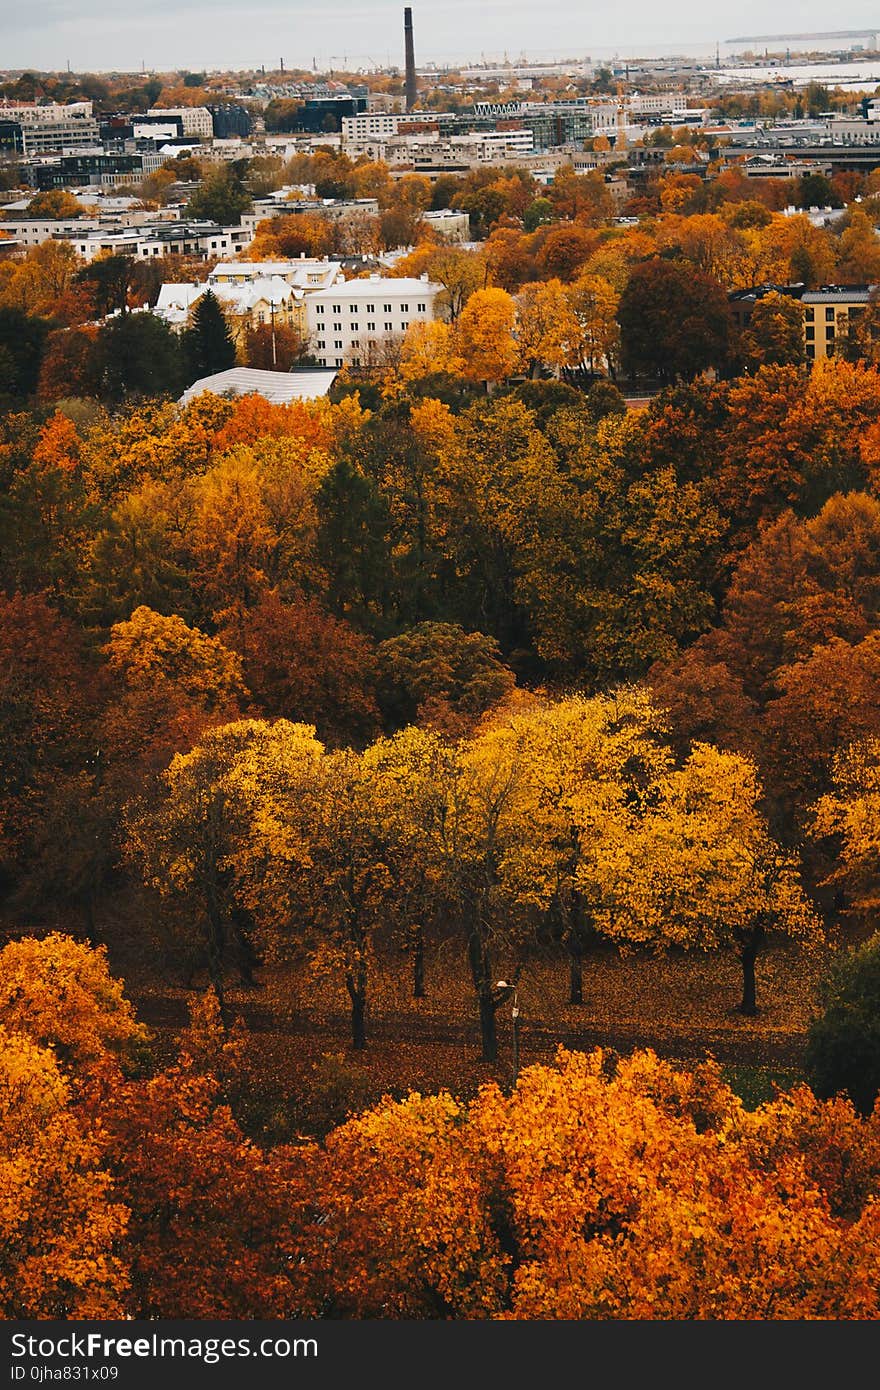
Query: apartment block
point(351, 322)
point(828, 313)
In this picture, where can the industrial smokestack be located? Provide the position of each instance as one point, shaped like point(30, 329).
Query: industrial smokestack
point(410, 59)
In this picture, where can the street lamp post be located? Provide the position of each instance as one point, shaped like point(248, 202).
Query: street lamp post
point(514, 1015)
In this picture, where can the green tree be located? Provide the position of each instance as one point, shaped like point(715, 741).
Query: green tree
point(221, 198)
point(208, 345)
point(674, 321)
point(138, 355)
point(22, 344)
point(843, 1047)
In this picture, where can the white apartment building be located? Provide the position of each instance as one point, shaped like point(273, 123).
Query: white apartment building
point(34, 233)
point(350, 321)
point(29, 113)
point(197, 120)
point(378, 125)
point(54, 126)
point(451, 225)
point(205, 240)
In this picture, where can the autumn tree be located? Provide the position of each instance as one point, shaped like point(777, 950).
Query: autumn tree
point(726, 883)
point(674, 322)
point(60, 994)
point(436, 665)
point(627, 1189)
point(847, 816)
point(484, 332)
point(548, 333)
point(182, 844)
point(62, 1222)
point(774, 333)
point(151, 650)
point(301, 663)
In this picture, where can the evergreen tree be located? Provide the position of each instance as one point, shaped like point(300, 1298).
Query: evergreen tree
point(208, 346)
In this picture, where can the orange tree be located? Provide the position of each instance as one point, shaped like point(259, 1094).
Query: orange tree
point(596, 1191)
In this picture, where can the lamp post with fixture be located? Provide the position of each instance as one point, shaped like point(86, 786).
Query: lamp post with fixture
point(514, 1014)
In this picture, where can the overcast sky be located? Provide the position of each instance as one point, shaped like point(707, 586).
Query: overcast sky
point(232, 34)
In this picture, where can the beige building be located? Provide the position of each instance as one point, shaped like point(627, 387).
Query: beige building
point(828, 313)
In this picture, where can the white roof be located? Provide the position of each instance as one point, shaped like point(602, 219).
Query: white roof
point(373, 287)
point(268, 290)
point(278, 387)
point(180, 296)
point(248, 269)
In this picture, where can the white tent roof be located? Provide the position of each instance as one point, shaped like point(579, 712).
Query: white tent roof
point(278, 387)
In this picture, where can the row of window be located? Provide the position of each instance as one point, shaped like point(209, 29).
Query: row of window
point(371, 308)
point(339, 342)
point(809, 313)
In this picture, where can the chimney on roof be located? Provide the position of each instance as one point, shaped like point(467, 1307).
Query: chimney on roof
point(410, 59)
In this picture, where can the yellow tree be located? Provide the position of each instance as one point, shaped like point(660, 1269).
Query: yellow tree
point(594, 302)
point(429, 348)
point(484, 333)
point(151, 649)
point(695, 866)
point(190, 846)
point(60, 994)
point(547, 330)
point(849, 816)
point(581, 761)
point(61, 1225)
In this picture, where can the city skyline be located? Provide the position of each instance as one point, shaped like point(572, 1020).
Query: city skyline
point(195, 34)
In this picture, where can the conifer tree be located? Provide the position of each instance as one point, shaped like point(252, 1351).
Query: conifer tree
point(208, 344)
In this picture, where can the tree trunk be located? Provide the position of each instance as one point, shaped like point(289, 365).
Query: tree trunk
point(419, 965)
point(481, 974)
point(575, 977)
point(356, 984)
point(358, 1021)
point(488, 1036)
point(748, 956)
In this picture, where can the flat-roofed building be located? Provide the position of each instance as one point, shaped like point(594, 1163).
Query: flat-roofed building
point(828, 312)
point(353, 321)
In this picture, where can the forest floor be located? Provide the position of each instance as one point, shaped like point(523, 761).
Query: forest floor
point(302, 1075)
point(300, 1059)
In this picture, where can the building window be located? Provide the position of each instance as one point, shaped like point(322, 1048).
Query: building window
point(339, 361)
point(387, 308)
point(809, 314)
point(403, 323)
point(829, 315)
point(319, 308)
point(829, 333)
point(371, 328)
point(337, 328)
point(811, 333)
point(354, 328)
point(337, 342)
point(371, 308)
point(337, 308)
point(404, 308)
point(422, 308)
point(321, 343)
point(389, 327)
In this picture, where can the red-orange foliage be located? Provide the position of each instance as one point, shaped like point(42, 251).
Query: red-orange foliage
point(303, 664)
